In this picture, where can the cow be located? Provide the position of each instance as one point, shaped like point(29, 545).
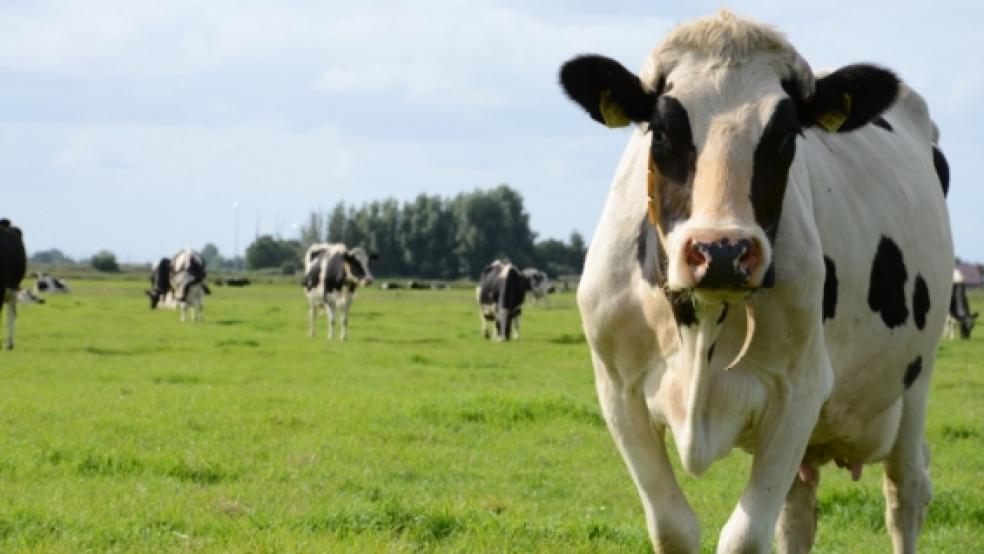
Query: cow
point(332, 273)
point(960, 320)
point(500, 293)
point(539, 284)
point(25, 296)
point(44, 283)
point(181, 276)
point(13, 267)
point(770, 272)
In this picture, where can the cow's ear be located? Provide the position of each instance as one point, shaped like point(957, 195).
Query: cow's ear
point(611, 94)
point(851, 97)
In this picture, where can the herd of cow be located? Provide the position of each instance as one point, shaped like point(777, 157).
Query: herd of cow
point(771, 272)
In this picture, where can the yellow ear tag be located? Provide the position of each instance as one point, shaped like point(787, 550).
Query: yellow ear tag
point(611, 112)
point(832, 119)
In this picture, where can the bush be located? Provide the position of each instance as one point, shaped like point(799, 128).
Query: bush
point(104, 260)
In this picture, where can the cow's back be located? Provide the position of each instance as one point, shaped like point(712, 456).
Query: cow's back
point(880, 213)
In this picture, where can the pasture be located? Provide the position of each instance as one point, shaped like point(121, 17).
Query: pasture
point(122, 430)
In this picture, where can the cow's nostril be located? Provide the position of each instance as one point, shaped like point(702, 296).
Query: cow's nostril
point(696, 255)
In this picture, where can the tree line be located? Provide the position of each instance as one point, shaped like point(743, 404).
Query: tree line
point(430, 237)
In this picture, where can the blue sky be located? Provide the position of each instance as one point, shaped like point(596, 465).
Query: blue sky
point(134, 125)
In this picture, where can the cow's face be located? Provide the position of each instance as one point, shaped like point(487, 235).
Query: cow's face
point(723, 137)
point(357, 266)
point(967, 325)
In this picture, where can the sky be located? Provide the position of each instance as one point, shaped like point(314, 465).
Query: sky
point(144, 126)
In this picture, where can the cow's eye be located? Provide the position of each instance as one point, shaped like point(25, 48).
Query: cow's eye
point(660, 139)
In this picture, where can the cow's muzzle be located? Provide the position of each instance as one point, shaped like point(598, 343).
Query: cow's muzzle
point(727, 263)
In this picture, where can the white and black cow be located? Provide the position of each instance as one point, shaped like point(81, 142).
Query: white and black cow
point(13, 266)
point(960, 321)
point(501, 291)
point(44, 284)
point(182, 279)
point(25, 296)
point(332, 272)
point(770, 272)
point(539, 284)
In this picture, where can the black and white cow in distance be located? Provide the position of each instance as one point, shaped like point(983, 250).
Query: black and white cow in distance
point(332, 272)
point(771, 272)
point(25, 296)
point(501, 291)
point(44, 283)
point(179, 281)
point(13, 266)
point(960, 320)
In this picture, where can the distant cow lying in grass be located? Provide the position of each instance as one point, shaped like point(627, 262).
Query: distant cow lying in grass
point(44, 283)
point(332, 272)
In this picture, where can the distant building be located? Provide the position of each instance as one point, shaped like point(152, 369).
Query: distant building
point(967, 273)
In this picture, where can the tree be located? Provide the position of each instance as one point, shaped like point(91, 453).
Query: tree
point(314, 230)
point(337, 222)
point(211, 255)
point(105, 261)
point(53, 256)
point(267, 251)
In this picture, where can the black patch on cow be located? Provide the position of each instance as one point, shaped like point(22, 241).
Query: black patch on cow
point(920, 302)
point(829, 289)
point(674, 159)
point(912, 372)
point(773, 156)
point(769, 279)
point(683, 308)
point(649, 252)
point(942, 169)
point(880, 122)
point(710, 352)
point(586, 78)
point(886, 290)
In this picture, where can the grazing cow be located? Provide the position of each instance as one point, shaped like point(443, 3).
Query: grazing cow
point(45, 283)
point(501, 291)
point(331, 274)
point(960, 320)
point(539, 284)
point(237, 282)
point(770, 272)
point(13, 266)
point(183, 277)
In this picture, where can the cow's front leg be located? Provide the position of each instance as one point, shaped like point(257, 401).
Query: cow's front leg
point(312, 315)
point(330, 318)
point(778, 455)
point(346, 304)
point(11, 316)
point(516, 328)
point(671, 522)
point(797, 525)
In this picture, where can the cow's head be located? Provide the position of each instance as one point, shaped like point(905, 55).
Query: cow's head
point(967, 324)
point(357, 266)
point(160, 282)
point(724, 101)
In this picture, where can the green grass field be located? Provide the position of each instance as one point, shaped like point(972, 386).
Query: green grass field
point(122, 430)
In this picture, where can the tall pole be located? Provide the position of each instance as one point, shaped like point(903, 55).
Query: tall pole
point(235, 244)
